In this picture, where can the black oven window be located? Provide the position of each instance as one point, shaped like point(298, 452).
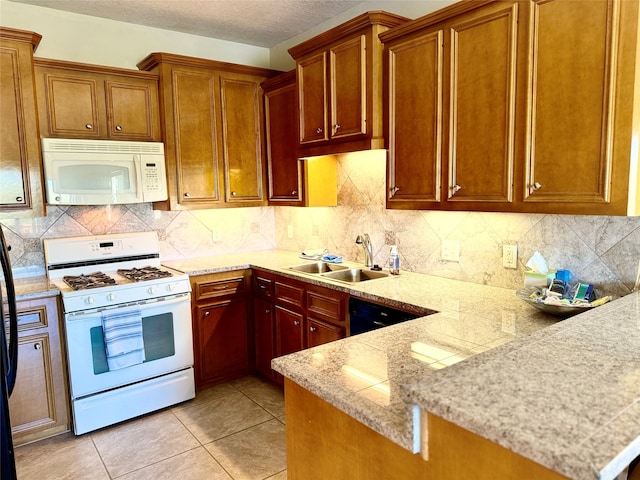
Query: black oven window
point(157, 334)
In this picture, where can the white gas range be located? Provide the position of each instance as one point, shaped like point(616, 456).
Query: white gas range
point(128, 326)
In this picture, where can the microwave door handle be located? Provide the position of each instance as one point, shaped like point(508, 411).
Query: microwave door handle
point(137, 165)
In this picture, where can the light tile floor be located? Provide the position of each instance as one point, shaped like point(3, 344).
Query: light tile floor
point(229, 431)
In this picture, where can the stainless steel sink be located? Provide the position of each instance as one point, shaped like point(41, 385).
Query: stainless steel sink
point(355, 275)
point(318, 267)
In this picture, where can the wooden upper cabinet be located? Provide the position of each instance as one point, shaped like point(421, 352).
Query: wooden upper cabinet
point(284, 170)
point(213, 123)
point(415, 121)
point(313, 98)
point(581, 107)
point(481, 95)
point(536, 101)
point(21, 194)
point(90, 101)
point(339, 78)
point(241, 107)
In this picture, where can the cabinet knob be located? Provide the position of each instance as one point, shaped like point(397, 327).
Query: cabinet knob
point(536, 186)
point(187, 195)
point(319, 130)
point(312, 329)
point(88, 126)
point(19, 199)
point(455, 189)
point(294, 192)
point(207, 313)
point(233, 194)
point(118, 128)
point(37, 346)
point(337, 127)
point(296, 323)
point(267, 311)
point(394, 190)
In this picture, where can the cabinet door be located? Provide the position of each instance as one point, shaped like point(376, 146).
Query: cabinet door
point(284, 168)
point(312, 95)
point(72, 105)
point(415, 121)
point(319, 332)
point(196, 136)
point(131, 110)
point(572, 102)
point(348, 75)
point(39, 403)
point(242, 139)
point(221, 340)
point(481, 105)
point(289, 333)
point(20, 162)
point(264, 336)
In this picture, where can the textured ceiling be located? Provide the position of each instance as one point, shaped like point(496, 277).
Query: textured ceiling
point(263, 23)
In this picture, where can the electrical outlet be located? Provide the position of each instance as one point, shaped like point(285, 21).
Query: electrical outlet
point(289, 231)
point(451, 250)
point(510, 256)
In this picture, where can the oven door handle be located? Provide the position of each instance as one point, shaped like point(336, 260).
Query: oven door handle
point(167, 300)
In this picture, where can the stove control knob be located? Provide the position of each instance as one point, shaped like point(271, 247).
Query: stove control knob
point(89, 300)
point(171, 287)
point(111, 297)
point(151, 290)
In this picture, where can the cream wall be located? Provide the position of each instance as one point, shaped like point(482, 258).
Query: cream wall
point(86, 39)
point(281, 60)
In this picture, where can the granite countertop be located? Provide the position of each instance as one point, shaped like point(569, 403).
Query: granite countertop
point(37, 286)
point(565, 394)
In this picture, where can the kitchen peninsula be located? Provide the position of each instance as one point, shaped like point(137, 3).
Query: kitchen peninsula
point(556, 402)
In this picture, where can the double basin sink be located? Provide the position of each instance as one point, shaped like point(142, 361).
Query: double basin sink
point(341, 273)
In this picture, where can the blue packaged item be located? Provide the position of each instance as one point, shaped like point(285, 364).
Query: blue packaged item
point(564, 275)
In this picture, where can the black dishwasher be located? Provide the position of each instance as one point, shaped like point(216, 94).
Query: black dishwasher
point(366, 316)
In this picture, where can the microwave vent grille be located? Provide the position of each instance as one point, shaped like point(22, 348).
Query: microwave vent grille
point(101, 146)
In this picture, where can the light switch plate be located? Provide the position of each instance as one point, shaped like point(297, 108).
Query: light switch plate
point(451, 250)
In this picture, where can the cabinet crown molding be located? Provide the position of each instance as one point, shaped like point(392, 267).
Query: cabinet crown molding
point(20, 36)
point(157, 58)
point(368, 19)
point(90, 68)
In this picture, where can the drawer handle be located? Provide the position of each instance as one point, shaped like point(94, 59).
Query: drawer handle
point(318, 130)
point(296, 323)
point(37, 346)
point(221, 287)
point(294, 192)
point(312, 329)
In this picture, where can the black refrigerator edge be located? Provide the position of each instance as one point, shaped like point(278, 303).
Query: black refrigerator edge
point(8, 362)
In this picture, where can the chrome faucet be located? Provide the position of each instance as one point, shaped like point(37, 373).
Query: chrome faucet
point(365, 241)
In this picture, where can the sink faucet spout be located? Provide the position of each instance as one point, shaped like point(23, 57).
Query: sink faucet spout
point(365, 241)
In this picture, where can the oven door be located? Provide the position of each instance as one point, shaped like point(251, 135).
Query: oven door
point(166, 327)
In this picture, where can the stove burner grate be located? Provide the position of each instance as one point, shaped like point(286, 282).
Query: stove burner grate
point(89, 280)
point(143, 274)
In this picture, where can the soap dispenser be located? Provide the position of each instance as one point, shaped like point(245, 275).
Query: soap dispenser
point(394, 261)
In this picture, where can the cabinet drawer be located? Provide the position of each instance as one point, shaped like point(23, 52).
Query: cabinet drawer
point(326, 305)
point(219, 288)
point(263, 287)
point(288, 295)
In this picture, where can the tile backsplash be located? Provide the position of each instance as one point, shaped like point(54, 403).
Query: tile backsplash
point(597, 249)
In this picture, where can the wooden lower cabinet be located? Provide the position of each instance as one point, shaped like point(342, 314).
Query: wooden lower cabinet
point(324, 442)
point(319, 332)
point(291, 315)
point(220, 315)
point(39, 405)
point(289, 331)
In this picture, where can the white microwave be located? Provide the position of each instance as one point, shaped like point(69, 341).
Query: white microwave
point(103, 172)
